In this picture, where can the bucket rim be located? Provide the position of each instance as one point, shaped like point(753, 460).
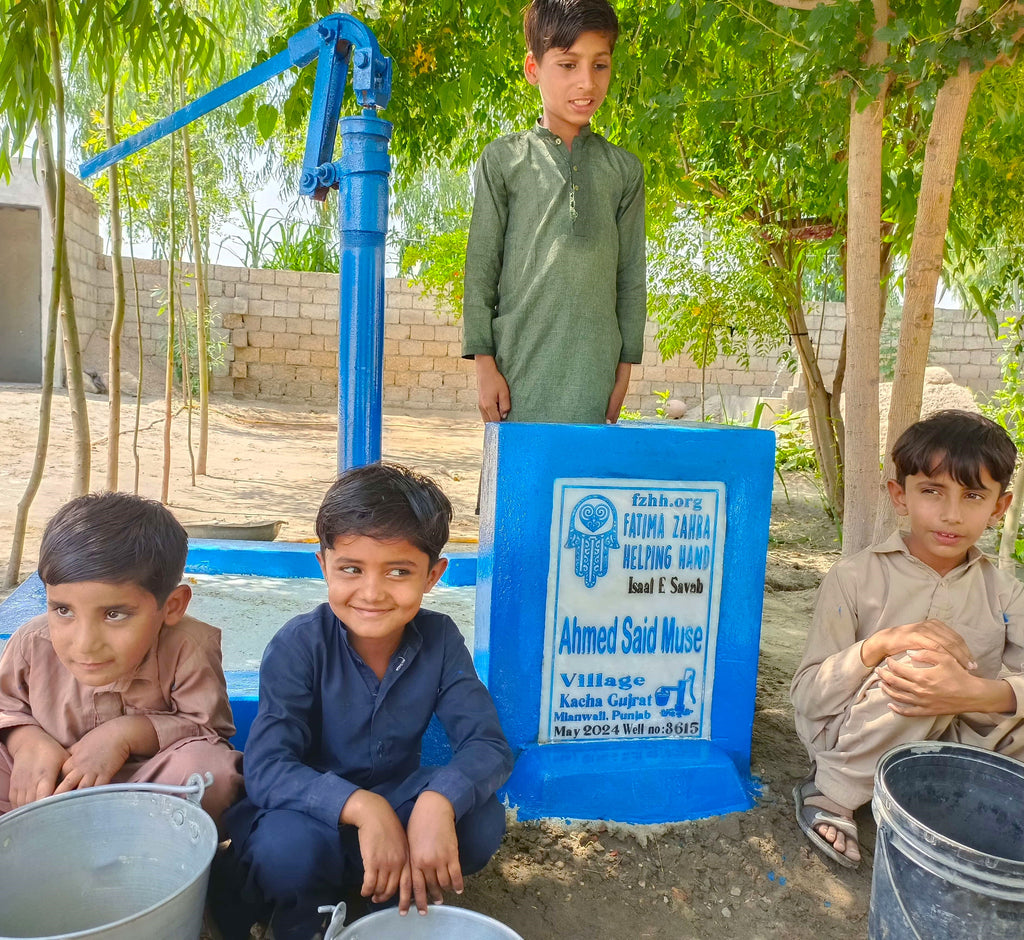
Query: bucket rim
point(442, 910)
point(116, 793)
point(926, 840)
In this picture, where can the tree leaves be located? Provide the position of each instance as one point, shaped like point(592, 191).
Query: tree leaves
point(266, 120)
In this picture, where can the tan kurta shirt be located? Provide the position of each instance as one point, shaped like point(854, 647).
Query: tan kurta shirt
point(885, 586)
point(179, 686)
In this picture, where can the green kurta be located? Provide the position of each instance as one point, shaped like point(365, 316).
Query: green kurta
point(556, 271)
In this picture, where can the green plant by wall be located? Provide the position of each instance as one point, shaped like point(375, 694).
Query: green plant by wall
point(888, 343)
point(431, 228)
point(794, 453)
point(436, 265)
point(663, 397)
point(286, 242)
point(306, 246)
point(1006, 405)
point(793, 449)
point(215, 346)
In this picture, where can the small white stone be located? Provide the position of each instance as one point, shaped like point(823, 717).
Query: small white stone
point(674, 408)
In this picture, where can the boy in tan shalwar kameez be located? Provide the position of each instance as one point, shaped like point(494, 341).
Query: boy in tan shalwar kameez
point(919, 637)
point(115, 683)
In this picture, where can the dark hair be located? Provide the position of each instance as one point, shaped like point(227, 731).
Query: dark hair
point(959, 443)
point(385, 501)
point(557, 24)
point(116, 538)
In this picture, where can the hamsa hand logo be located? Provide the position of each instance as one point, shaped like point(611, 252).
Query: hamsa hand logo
point(592, 533)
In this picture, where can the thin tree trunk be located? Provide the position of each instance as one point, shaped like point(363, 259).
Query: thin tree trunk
point(202, 306)
point(824, 426)
point(834, 401)
point(819, 415)
point(13, 573)
point(925, 264)
point(1011, 521)
point(69, 331)
point(165, 484)
point(186, 385)
point(117, 319)
point(138, 335)
point(863, 327)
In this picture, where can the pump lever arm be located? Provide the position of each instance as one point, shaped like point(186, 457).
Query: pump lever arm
point(331, 41)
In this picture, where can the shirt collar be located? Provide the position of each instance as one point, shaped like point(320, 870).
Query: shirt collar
point(147, 671)
point(408, 646)
point(895, 544)
point(544, 134)
point(398, 665)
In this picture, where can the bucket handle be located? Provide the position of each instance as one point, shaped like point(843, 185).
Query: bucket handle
point(337, 924)
point(883, 846)
point(192, 791)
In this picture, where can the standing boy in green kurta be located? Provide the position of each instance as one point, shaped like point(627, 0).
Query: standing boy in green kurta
point(555, 282)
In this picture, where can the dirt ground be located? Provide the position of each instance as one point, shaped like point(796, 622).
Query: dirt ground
point(747, 875)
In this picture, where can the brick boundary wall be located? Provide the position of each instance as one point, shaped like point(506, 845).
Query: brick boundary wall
point(279, 331)
point(423, 368)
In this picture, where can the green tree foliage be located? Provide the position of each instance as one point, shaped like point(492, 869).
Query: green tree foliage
point(740, 110)
point(985, 247)
point(31, 61)
point(1006, 406)
point(219, 146)
point(430, 228)
point(711, 292)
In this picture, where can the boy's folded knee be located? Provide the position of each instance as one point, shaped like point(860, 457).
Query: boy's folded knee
point(289, 854)
point(480, 833)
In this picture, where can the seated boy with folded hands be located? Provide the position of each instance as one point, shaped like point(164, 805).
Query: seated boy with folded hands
point(917, 638)
point(337, 800)
point(115, 683)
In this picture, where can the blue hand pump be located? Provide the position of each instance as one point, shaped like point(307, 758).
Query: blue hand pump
point(361, 177)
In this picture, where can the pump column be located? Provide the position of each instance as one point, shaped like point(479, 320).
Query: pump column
point(362, 225)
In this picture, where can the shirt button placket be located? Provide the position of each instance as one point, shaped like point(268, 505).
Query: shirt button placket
point(573, 189)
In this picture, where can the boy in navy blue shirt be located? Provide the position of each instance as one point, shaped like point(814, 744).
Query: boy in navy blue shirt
point(336, 797)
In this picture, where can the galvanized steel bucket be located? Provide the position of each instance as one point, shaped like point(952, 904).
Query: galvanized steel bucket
point(118, 862)
point(440, 923)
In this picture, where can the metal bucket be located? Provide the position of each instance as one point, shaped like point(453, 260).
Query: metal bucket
point(949, 858)
point(440, 923)
point(120, 862)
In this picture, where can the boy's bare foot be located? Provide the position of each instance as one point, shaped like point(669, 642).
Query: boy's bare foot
point(828, 825)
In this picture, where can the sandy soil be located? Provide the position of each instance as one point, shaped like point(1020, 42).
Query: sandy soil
point(748, 875)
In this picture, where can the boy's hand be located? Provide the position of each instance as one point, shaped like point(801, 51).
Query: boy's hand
point(618, 395)
point(925, 635)
point(433, 851)
point(493, 398)
point(382, 845)
point(37, 759)
point(934, 683)
point(97, 756)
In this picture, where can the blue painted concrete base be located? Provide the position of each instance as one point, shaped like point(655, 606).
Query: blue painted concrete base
point(675, 781)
